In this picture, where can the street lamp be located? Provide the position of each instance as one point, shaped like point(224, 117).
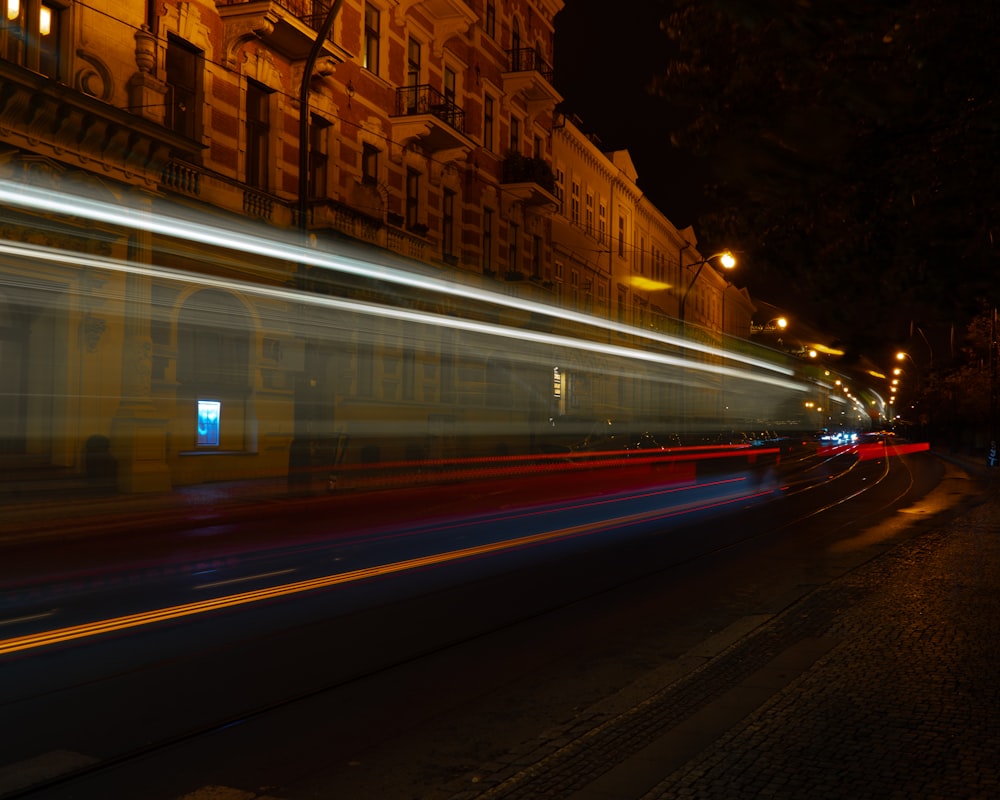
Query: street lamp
point(776, 324)
point(304, 117)
point(726, 259)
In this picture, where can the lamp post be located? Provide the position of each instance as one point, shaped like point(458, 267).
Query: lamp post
point(726, 259)
point(309, 442)
point(307, 73)
point(776, 324)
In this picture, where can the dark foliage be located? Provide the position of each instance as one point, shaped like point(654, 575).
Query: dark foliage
point(852, 148)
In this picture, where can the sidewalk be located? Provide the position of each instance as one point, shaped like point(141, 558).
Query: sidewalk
point(881, 684)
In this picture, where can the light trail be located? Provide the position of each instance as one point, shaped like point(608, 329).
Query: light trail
point(130, 621)
point(25, 196)
point(390, 312)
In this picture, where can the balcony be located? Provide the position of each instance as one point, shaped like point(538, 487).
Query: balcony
point(287, 26)
point(62, 126)
point(530, 76)
point(529, 180)
point(447, 18)
point(424, 114)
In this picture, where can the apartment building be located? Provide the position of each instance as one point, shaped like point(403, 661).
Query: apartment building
point(423, 130)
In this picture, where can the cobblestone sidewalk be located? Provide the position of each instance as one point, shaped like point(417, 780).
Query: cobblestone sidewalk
point(881, 684)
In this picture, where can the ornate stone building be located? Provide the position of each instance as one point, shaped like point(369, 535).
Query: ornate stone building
point(426, 130)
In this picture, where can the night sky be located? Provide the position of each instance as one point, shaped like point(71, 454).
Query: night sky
point(848, 149)
point(604, 63)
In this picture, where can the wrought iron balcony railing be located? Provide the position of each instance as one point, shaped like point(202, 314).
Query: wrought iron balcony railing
point(527, 59)
point(425, 99)
point(522, 169)
point(309, 12)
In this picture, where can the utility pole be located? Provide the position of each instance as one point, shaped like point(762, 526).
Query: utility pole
point(991, 455)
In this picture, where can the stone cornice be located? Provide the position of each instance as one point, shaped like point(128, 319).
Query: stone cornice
point(66, 125)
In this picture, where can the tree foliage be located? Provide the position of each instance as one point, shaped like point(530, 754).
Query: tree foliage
point(852, 147)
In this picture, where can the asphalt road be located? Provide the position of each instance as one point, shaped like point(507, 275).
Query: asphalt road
point(415, 683)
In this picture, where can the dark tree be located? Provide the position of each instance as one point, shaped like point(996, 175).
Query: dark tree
point(853, 151)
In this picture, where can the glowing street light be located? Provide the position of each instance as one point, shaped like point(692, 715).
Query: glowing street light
point(726, 259)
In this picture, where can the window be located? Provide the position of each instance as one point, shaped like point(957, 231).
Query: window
point(449, 85)
point(488, 123)
point(536, 147)
point(515, 135)
point(487, 240)
point(412, 198)
point(641, 255)
point(622, 304)
point(184, 70)
point(369, 164)
point(512, 252)
point(319, 130)
point(365, 369)
point(413, 63)
point(448, 225)
point(31, 35)
point(589, 214)
point(258, 130)
point(602, 222)
point(371, 44)
point(412, 75)
point(536, 256)
point(574, 203)
point(491, 18)
point(209, 418)
point(515, 43)
point(621, 236)
point(408, 382)
point(560, 187)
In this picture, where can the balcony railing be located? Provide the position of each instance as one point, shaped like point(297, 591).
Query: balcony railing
point(521, 169)
point(309, 12)
point(425, 99)
point(527, 59)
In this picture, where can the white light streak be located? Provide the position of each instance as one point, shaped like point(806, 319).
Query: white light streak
point(63, 257)
point(37, 199)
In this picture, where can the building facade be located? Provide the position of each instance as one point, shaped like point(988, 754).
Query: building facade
point(425, 132)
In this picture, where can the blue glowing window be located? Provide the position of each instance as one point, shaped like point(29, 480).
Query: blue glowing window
point(209, 412)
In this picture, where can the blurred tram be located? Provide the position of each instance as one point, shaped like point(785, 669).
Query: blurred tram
point(149, 349)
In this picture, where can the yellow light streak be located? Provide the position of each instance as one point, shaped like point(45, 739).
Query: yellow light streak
point(100, 627)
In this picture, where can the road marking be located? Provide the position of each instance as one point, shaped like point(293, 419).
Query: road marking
point(244, 579)
point(100, 627)
point(29, 618)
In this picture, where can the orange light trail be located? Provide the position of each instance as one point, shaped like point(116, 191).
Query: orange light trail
point(100, 627)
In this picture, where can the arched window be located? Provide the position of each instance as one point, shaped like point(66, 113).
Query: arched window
point(214, 371)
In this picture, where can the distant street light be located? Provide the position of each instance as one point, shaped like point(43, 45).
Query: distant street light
point(726, 259)
point(776, 324)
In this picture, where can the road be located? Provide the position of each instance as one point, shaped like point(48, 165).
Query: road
point(417, 682)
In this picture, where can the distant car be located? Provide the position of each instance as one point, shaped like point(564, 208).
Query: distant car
point(644, 441)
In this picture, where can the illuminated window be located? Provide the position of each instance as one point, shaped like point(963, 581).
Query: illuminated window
point(209, 420)
point(31, 35)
